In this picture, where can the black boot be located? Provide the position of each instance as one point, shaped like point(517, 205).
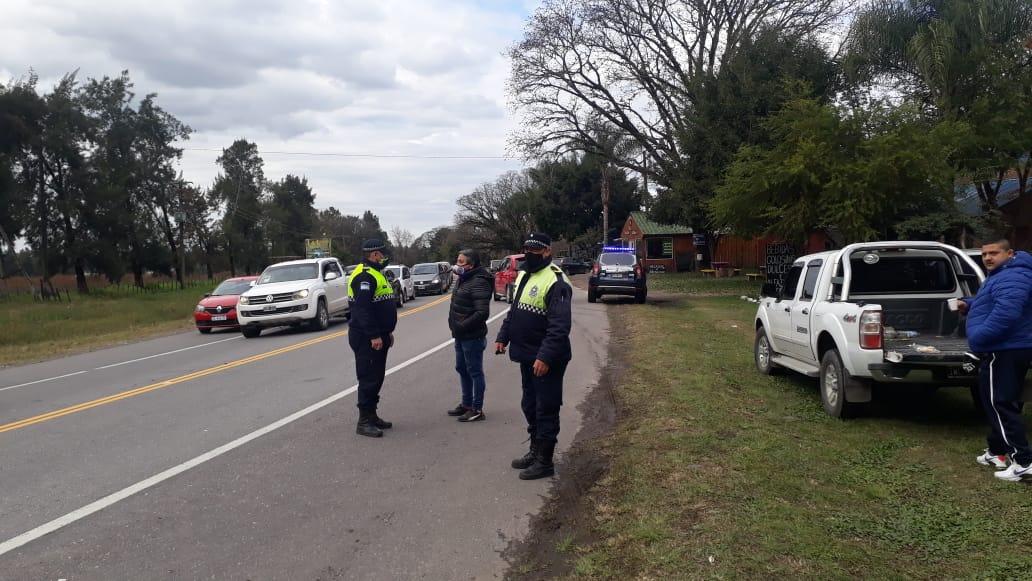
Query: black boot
point(527, 459)
point(542, 466)
point(366, 427)
point(379, 422)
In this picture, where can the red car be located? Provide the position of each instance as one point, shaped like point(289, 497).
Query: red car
point(217, 309)
point(505, 277)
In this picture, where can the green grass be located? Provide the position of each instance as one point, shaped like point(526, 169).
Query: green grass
point(696, 284)
point(39, 330)
point(718, 471)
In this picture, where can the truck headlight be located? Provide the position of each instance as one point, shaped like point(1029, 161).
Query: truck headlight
point(436, 280)
point(199, 308)
point(301, 294)
point(244, 301)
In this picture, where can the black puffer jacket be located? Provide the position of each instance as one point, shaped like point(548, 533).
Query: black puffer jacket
point(471, 304)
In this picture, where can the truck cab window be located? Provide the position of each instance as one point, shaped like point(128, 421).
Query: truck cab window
point(792, 282)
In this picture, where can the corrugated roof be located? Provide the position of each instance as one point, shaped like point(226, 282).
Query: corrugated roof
point(650, 228)
point(969, 203)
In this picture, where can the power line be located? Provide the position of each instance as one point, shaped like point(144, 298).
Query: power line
point(363, 155)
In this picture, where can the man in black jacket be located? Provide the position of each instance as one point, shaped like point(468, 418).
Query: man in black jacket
point(371, 334)
point(470, 308)
point(537, 333)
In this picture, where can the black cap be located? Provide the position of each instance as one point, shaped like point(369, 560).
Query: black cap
point(538, 240)
point(372, 245)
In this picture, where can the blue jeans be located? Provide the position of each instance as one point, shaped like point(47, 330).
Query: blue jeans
point(469, 362)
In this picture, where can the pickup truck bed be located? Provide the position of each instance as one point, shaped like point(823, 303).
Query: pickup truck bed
point(913, 350)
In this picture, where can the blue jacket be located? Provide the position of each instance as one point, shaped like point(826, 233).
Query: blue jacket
point(1000, 316)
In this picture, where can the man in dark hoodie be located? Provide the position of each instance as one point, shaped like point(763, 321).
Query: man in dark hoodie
point(999, 330)
point(470, 309)
point(537, 332)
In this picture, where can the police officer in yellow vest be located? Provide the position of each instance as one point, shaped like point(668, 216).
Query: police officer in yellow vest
point(537, 334)
point(371, 334)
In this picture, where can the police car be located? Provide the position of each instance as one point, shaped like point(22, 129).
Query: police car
point(618, 271)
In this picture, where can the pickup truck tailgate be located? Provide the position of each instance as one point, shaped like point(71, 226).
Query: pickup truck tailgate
point(927, 349)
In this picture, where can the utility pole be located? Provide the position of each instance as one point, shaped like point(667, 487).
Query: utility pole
point(605, 203)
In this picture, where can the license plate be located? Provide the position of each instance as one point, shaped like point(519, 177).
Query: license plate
point(957, 372)
point(218, 317)
point(269, 308)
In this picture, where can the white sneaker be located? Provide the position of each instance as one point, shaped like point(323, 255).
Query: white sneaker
point(989, 459)
point(1015, 473)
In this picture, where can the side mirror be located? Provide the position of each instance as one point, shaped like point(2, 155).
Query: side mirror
point(770, 290)
point(206, 295)
point(252, 283)
point(331, 276)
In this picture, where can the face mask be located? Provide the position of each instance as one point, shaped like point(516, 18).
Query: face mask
point(534, 261)
point(385, 261)
point(458, 269)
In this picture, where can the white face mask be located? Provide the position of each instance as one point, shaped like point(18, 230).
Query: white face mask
point(458, 269)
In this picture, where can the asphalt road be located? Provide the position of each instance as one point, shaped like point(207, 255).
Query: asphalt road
point(213, 456)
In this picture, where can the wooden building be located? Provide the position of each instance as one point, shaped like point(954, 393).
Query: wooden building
point(664, 247)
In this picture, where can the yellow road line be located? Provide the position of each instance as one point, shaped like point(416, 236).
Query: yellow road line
point(190, 376)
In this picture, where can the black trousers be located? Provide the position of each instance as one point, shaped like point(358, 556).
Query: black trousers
point(542, 398)
point(1001, 381)
point(370, 366)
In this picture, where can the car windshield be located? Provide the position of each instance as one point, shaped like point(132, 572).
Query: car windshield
point(617, 259)
point(231, 287)
point(288, 273)
point(426, 269)
point(394, 269)
point(892, 275)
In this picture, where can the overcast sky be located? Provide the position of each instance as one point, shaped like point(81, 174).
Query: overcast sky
point(383, 77)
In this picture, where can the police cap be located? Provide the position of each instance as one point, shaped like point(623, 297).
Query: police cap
point(538, 240)
point(372, 245)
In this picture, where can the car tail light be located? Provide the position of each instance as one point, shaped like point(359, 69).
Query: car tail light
point(637, 271)
point(596, 269)
point(871, 330)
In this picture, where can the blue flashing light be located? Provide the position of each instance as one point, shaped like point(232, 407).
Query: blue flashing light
point(625, 249)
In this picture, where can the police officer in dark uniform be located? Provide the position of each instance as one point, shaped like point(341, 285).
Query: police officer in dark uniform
point(373, 319)
point(537, 333)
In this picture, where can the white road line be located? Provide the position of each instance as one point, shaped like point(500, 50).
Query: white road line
point(43, 380)
point(166, 353)
point(98, 505)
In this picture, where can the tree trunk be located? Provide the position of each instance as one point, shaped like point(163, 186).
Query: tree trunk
point(80, 276)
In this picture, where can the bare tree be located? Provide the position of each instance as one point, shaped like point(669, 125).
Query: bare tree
point(497, 215)
point(633, 65)
point(402, 240)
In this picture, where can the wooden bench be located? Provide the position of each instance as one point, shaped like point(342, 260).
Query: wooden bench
point(753, 276)
point(709, 272)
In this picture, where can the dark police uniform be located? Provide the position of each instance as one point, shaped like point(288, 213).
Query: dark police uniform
point(538, 328)
point(373, 315)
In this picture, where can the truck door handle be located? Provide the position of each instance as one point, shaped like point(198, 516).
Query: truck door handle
point(788, 310)
point(806, 311)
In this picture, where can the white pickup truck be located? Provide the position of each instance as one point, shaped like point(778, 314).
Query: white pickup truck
point(870, 313)
point(298, 292)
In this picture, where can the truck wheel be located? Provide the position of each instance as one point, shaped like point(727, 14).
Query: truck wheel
point(204, 330)
point(834, 381)
point(322, 317)
point(763, 354)
point(592, 295)
point(496, 297)
point(250, 332)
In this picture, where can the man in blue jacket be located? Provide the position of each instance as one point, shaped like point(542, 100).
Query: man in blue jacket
point(537, 333)
point(999, 330)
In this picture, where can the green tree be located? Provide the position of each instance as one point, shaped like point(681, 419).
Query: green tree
point(240, 189)
point(570, 191)
point(961, 60)
point(730, 105)
point(291, 215)
point(859, 172)
point(497, 215)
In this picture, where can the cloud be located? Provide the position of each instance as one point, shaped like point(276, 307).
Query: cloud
point(315, 76)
